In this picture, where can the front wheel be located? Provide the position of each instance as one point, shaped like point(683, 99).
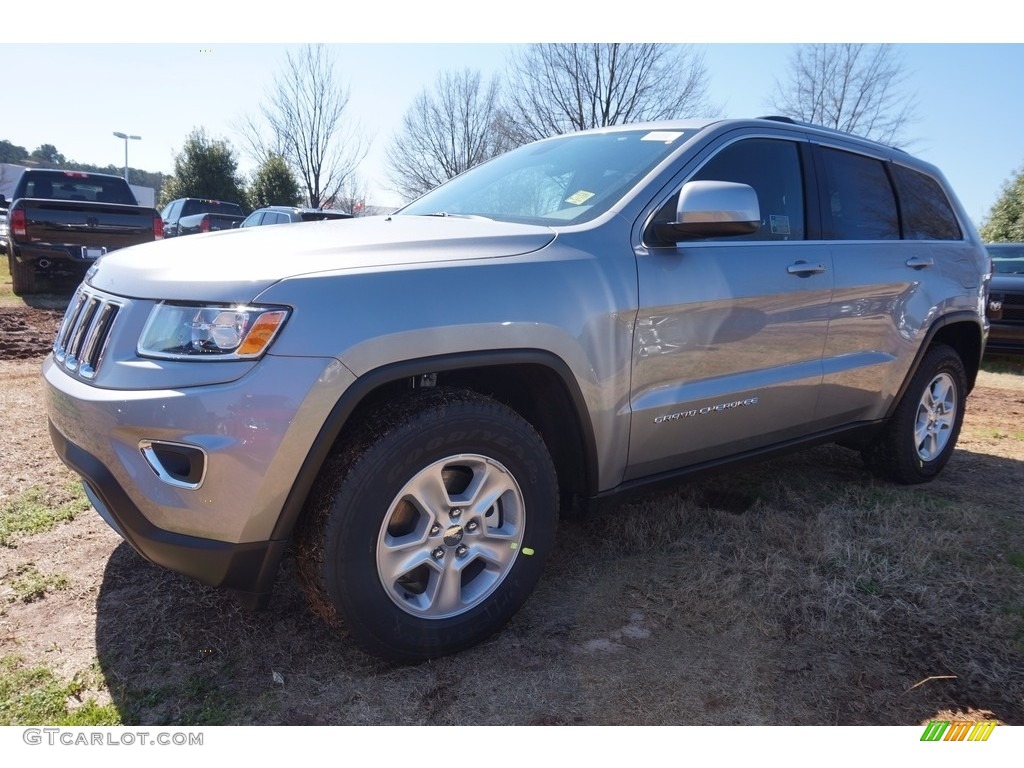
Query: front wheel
point(430, 528)
point(922, 433)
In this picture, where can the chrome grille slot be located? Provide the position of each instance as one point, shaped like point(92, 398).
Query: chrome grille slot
point(83, 334)
point(70, 318)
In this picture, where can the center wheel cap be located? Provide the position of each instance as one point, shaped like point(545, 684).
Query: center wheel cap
point(453, 535)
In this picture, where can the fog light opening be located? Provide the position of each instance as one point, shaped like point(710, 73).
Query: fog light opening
point(183, 466)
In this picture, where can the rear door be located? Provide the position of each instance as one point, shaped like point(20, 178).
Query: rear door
point(889, 277)
point(730, 333)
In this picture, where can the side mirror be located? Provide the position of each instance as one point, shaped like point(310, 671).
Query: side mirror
point(3, 202)
point(712, 209)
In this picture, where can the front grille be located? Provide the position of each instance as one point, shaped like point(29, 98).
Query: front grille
point(83, 333)
point(1013, 306)
point(1013, 312)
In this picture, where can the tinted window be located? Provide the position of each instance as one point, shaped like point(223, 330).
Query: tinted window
point(1007, 258)
point(192, 207)
point(172, 211)
point(772, 168)
point(253, 220)
point(927, 214)
point(79, 186)
point(859, 198)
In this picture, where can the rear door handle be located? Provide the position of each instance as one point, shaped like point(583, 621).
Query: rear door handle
point(803, 269)
point(918, 263)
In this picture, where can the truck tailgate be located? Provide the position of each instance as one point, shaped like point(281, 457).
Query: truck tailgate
point(76, 225)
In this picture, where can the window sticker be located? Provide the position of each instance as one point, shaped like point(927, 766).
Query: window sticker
point(666, 136)
point(779, 224)
point(579, 198)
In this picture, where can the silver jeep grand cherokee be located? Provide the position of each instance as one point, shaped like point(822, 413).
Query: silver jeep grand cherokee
point(412, 397)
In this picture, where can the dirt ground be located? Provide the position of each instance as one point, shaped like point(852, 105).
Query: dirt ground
point(799, 592)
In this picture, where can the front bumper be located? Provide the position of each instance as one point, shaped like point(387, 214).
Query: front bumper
point(254, 435)
point(247, 568)
point(1006, 338)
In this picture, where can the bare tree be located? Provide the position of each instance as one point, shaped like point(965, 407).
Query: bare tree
point(446, 131)
point(306, 115)
point(561, 87)
point(852, 87)
point(351, 197)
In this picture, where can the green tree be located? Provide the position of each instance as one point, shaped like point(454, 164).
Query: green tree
point(274, 184)
point(207, 168)
point(1005, 221)
point(48, 156)
point(12, 153)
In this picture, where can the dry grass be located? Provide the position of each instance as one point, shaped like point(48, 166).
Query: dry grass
point(800, 591)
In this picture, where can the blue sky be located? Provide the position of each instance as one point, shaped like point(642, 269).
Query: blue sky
point(75, 95)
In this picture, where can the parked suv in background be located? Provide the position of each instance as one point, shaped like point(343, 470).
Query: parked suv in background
point(283, 214)
point(412, 397)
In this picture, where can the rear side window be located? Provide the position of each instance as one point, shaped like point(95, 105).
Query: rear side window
point(927, 213)
point(859, 197)
point(772, 168)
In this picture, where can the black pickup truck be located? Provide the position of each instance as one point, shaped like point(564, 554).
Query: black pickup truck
point(191, 215)
point(60, 222)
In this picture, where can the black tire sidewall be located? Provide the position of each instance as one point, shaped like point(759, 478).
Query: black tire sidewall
point(23, 276)
point(909, 465)
point(370, 487)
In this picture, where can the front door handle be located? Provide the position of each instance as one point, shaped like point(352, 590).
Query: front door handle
point(803, 269)
point(918, 263)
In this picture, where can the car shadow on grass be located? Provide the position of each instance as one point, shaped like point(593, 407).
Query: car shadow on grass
point(801, 591)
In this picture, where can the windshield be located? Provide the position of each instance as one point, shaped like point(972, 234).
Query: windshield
point(566, 180)
point(1007, 258)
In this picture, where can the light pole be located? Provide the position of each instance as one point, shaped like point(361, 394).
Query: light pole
point(125, 136)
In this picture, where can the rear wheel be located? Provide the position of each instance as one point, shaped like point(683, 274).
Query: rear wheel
point(430, 529)
point(23, 276)
point(922, 433)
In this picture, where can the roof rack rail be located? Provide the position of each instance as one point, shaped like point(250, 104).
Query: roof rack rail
point(791, 121)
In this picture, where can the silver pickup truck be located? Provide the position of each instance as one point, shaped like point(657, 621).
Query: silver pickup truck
point(412, 398)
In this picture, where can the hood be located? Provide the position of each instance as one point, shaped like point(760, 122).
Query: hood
point(236, 265)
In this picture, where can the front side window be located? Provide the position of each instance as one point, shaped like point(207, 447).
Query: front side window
point(772, 168)
point(859, 198)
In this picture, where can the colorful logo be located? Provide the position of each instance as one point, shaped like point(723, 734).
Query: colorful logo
point(958, 730)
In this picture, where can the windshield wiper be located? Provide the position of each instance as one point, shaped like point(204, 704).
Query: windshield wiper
point(446, 215)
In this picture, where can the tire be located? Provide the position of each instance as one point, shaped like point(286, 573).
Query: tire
point(430, 528)
point(23, 276)
point(920, 437)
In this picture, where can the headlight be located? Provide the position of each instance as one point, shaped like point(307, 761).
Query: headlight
point(211, 332)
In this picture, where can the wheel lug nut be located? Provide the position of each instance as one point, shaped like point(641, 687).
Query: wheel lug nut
point(461, 550)
point(455, 514)
point(435, 529)
point(438, 554)
point(472, 526)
